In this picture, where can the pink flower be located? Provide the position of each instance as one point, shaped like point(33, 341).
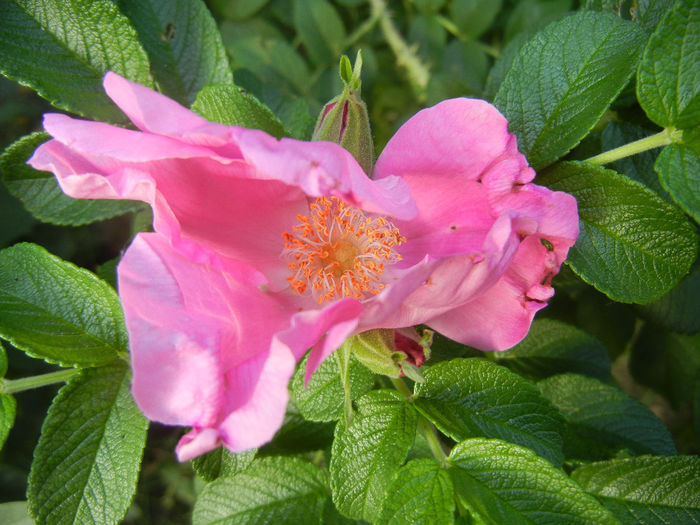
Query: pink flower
point(265, 248)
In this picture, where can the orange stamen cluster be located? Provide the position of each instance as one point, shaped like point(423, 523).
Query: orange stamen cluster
point(337, 251)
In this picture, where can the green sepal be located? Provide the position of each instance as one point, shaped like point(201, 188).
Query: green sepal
point(375, 349)
point(344, 119)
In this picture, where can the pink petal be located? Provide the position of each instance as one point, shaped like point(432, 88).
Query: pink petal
point(501, 316)
point(190, 328)
point(456, 138)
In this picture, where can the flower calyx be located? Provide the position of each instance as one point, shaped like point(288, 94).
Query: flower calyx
point(344, 119)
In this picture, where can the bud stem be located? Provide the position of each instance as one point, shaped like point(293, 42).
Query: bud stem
point(663, 138)
point(12, 386)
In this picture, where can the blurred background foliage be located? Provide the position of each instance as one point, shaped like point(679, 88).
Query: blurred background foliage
point(415, 53)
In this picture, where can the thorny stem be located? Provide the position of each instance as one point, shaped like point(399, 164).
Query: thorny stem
point(12, 386)
point(663, 138)
point(425, 426)
point(418, 74)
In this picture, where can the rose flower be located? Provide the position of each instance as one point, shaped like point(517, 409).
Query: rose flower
point(265, 248)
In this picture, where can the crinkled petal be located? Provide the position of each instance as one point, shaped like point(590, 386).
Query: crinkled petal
point(501, 317)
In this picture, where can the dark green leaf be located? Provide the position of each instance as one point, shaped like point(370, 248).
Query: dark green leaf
point(237, 10)
point(552, 347)
point(502, 483)
point(320, 29)
point(603, 418)
point(234, 106)
point(323, 398)
point(87, 461)
point(529, 16)
point(183, 43)
point(473, 17)
point(8, 410)
point(55, 311)
point(15, 219)
point(41, 195)
point(668, 83)
point(678, 309)
point(3, 361)
point(365, 456)
point(678, 167)
point(221, 463)
point(650, 12)
point(63, 48)
point(503, 63)
point(632, 245)
point(278, 490)
point(421, 492)
point(564, 78)
point(639, 167)
point(646, 490)
point(298, 435)
point(473, 397)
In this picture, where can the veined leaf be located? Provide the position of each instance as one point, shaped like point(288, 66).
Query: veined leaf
point(221, 463)
point(56, 311)
point(280, 490)
point(320, 28)
point(502, 483)
point(604, 418)
point(564, 78)
point(183, 43)
point(553, 347)
point(87, 461)
point(365, 456)
point(8, 410)
point(473, 397)
point(234, 106)
point(633, 246)
point(668, 79)
point(63, 48)
point(42, 196)
point(421, 492)
point(323, 398)
point(677, 310)
point(678, 167)
point(646, 490)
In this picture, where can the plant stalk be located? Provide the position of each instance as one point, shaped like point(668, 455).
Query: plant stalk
point(12, 386)
point(663, 138)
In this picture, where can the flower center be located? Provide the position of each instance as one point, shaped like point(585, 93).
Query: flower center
point(336, 251)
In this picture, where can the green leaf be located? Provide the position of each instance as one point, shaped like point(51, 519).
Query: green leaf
point(322, 399)
point(552, 347)
point(668, 83)
point(421, 492)
point(603, 418)
point(183, 44)
point(365, 456)
point(87, 461)
point(564, 78)
point(234, 106)
point(221, 463)
point(504, 483)
point(320, 29)
point(8, 410)
point(639, 167)
point(646, 490)
point(3, 361)
point(678, 167)
point(650, 12)
point(632, 246)
point(15, 219)
point(271, 490)
point(473, 397)
point(298, 435)
point(473, 17)
point(63, 48)
point(15, 513)
point(678, 309)
point(503, 63)
point(56, 311)
point(42, 196)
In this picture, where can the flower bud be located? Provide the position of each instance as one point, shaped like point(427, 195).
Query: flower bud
point(393, 353)
point(344, 119)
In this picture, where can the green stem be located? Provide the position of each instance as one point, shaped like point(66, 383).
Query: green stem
point(663, 138)
point(12, 386)
point(418, 74)
point(425, 426)
point(363, 29)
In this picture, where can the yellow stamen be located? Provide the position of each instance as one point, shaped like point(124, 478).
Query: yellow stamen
point(336, 251)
